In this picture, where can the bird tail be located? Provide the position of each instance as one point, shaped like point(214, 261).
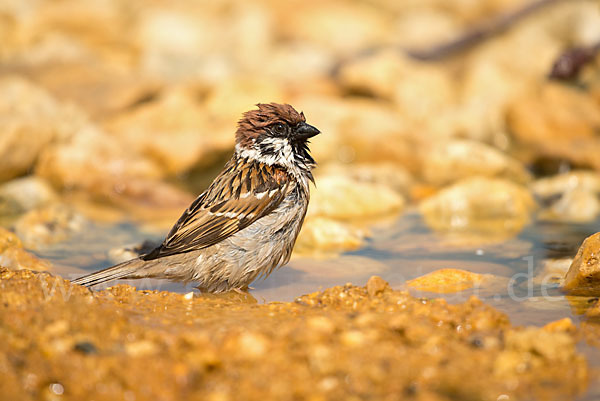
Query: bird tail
point(128, 269)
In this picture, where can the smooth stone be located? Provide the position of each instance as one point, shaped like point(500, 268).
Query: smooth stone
point(444, 281)
point(324, 235)
point(341, 197)
point(391, 175)
point(484, 205)
point(448, 161)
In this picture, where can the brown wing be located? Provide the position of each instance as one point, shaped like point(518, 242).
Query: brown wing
point(243, 193)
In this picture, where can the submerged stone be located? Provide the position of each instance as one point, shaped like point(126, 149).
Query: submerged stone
point(446, 280)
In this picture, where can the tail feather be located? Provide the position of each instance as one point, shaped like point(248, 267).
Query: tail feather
point(122, 270)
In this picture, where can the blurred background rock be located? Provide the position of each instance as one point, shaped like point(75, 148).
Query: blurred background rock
point(132, 105)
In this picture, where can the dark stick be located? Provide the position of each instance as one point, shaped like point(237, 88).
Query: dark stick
point(479, 33)
point(465, 41)
point(568, 65)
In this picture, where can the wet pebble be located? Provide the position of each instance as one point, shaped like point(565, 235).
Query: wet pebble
point(583, 277)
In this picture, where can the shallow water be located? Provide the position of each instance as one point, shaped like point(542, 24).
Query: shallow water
point(402, 251)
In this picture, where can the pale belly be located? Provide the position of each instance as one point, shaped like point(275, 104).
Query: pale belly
point(254, 251)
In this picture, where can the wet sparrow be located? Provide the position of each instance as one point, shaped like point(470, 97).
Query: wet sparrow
point(246, 223)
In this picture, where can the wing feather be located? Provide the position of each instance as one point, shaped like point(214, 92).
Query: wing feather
point(229, 205)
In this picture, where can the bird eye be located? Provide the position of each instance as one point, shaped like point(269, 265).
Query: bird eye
point(279, 129)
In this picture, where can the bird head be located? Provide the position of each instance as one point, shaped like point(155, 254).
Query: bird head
point(275, 134)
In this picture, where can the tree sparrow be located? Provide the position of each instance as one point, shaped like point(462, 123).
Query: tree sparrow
point(246, 223)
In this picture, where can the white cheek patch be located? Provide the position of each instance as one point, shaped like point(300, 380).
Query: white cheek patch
point(246, 153)
point(281, 153)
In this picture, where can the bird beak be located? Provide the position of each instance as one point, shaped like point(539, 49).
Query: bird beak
point(305, 131)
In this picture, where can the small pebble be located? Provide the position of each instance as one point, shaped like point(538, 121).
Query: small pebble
point(86, 347)
point(57, 388)
point(376, 285)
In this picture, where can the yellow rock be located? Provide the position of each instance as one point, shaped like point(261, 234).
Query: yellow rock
point(355, 26)
point(376, 285)
point(577, 191)
point(321, 234)
point(558, 121)
point(104, 168)
point(174, 131)
point(8, 240)
point(447, 161)
point(14, 257)
point(392, 175)
point(479, 205)
point(559, 184)
point(356, 129)
point(561, 325)
point(445, 281)
point(31, 119)
point(341, 197)
point(583, 277)
point(229, 99)
point(418, 89)
point(574, 206)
